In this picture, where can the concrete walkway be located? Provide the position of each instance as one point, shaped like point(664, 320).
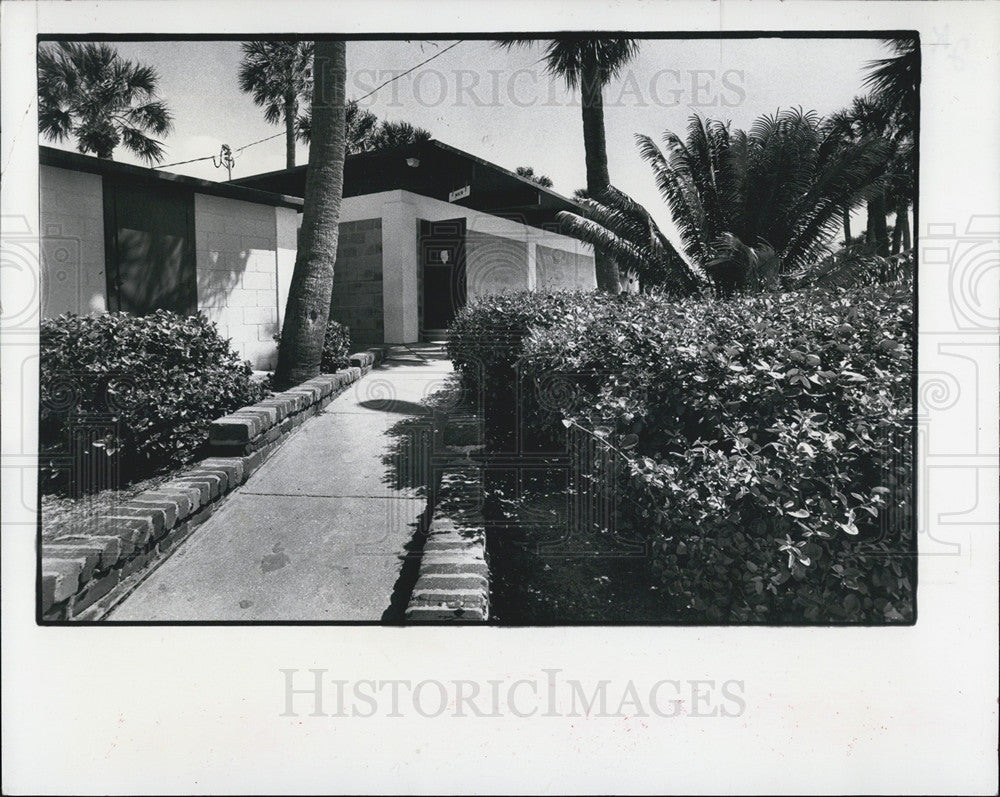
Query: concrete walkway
point(318, 533)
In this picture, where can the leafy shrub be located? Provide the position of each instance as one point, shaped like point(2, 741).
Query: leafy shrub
point(772, 445)
point(153, 383)
point(487, 333)
point(336, 345)
point(485, 347)
point(765, 441)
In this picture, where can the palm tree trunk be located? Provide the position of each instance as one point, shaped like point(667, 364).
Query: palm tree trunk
point(289, 131)
point(308, 307)
point(847, 226)
point(903, 222)
point(878, 231)
point(596, 154)
point(897, 234)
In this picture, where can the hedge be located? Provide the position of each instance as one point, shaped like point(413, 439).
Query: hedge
point(150, 384)
point(485, 345)
point(764, 442)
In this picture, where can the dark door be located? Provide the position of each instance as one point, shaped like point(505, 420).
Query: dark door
point(442, 260)
point(149, 240)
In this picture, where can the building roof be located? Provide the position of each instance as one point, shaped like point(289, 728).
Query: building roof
point(433, 169)
point(63, 159)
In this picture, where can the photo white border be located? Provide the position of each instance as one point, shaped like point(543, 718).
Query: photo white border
point(196, 709)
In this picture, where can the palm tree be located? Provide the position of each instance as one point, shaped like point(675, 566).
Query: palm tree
point(365, 133)
point(279, 75)
point(528, 173)
point(752, 208)
point(300, 350)
point(398, 134)
point(361, 125)
point(894, 82)
point(590, 64)
point(900, 193)
point(88, 91)
point(866, 118)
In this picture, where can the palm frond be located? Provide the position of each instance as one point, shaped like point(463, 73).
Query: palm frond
point(736, 265)
point(148, 149)
point(153, 116)
point(681, 198)
point(895, 81)
point(398, 134)
point(276, 73)
point(626, 254)
point(852, 266)
point(88, 91)
point(620, 227)
point(569, 56)
point(845, 182)
point(751, 206)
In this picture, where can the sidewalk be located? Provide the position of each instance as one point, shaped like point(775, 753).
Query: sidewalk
point(318, 533)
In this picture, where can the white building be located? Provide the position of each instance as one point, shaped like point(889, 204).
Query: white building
point(424, 229)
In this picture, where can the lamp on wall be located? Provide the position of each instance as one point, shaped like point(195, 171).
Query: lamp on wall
point(413, 162)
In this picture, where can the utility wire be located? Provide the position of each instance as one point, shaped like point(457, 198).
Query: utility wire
point(181, 163)
point(401, 74)
point(356, 100)
point(259, 141)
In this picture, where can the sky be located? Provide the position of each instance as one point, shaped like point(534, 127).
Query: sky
point(501, 105)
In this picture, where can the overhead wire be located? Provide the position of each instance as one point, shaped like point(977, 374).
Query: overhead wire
point(355, 100)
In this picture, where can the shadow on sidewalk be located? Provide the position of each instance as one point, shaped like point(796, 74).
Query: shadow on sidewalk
point(395, 613)
point(397, 406)
point(416, 460)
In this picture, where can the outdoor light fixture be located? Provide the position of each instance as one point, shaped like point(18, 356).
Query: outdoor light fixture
point(414, 162)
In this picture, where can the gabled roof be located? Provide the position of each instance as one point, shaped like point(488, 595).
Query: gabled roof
point(439, 170)
point(63, 159)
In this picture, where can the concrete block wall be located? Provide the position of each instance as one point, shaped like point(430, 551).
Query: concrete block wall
point(245, 255)
point(494, 264)
point(357, 281)
point(557, 269)
point(400, 212)
point(71, 214)
point(236, 247)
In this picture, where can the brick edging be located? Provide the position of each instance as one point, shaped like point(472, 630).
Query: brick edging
point(78, 571)
point(453, 581)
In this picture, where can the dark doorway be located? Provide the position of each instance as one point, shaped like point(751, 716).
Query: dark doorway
point(442, 262)
point(149, 242)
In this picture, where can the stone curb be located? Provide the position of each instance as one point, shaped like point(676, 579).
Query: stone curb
point(453, 581)
point(79, 570)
